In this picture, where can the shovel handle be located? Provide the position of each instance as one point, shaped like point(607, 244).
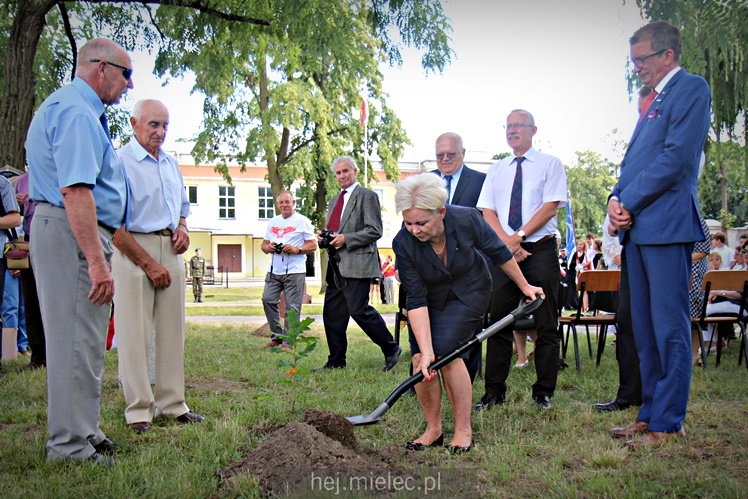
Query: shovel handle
point(521, 311)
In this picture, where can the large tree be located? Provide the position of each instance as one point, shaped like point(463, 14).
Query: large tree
point(287, 96)
point(254, 28)
point(26, 23)
point(590, 178)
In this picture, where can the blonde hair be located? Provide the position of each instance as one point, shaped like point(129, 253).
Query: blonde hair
point(425, 191)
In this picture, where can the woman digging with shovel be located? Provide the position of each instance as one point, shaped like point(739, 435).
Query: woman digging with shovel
point(448, 285)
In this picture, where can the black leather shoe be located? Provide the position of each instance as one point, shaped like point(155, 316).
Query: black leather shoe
point(326, 367)
point(106, 446)
point(615, 405)
point(419, 446)
point(489, 400)
point(101, 460)
point(457, 449)
point(390, 361)
point(190, 417)
point(543, 402)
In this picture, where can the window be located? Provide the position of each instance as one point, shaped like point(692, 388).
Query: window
point(226, 202)
point(266, 203)
point(380, 195)
point(191, 193)
point(300, 201)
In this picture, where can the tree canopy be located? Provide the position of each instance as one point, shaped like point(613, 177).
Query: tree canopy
point(590, 179)
point(282, 78)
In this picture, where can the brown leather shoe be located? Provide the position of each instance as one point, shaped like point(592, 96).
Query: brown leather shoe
point(635, 428)
point(273, 343)
point(140, 427)
point(655, 438)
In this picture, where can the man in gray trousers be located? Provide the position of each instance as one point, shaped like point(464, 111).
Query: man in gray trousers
point(78, 184)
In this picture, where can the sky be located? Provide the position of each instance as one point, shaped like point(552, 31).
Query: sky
point(564, 61)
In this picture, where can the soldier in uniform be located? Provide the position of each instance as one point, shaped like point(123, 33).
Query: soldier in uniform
point(197, 271)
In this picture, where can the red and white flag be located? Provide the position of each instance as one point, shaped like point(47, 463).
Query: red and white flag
point(364, 112)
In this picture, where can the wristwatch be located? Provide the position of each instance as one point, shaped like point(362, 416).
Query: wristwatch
point(521, 234)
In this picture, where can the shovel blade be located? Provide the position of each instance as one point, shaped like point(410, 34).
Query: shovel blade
point(364, 419)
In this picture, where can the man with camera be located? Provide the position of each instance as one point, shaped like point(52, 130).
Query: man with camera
point(354, 224)
point(289, 236)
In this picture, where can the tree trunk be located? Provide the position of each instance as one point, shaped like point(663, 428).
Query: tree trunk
point(722, 185)
point(19, 84)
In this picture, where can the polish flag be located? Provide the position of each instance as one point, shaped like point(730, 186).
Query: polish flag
point(364, 112)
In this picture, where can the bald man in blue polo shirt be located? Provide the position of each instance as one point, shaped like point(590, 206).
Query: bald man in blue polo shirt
point(78, 184)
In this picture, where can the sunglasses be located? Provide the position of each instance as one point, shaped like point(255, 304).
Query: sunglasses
point(126, 72)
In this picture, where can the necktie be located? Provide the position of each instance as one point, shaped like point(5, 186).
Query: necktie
point(334, 223)
point(515, 201)
point(647, 102)
point(105, 125)
point(448, 179)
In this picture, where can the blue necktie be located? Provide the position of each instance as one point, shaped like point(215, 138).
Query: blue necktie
point(105, 125)
point(515, 201)
point(448, 178)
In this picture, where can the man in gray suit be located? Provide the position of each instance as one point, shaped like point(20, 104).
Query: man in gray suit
point(355, 222)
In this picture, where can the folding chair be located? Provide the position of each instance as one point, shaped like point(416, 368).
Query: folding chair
point(723, 280)
point(593, 281)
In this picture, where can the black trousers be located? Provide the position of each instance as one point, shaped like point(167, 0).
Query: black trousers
point(352, 301)
point(540, 269)
point(629, 376)
point(34, 326)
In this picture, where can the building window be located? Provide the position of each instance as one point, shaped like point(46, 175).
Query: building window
point(380, 195)
point(191, 193)
point(226, 202)
point(266, 204)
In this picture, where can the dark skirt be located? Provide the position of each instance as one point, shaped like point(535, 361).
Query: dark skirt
point(451, 327)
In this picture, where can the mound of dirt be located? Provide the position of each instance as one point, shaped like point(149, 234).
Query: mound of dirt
point(322, 456)
point(334, 426)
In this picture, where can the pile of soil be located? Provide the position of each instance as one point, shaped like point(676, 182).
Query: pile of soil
point(317, 457)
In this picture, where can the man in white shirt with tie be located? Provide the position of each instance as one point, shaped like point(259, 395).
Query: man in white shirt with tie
point(520, 198)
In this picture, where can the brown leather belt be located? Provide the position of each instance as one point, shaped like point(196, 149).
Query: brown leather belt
point(162, 232)
point(542, 240)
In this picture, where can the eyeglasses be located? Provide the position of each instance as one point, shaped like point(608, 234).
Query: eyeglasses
point(448, 155)
point(126, 72)
point(639, 61)
point(516, 126)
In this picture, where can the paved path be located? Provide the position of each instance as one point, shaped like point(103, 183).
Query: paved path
point(260, 319)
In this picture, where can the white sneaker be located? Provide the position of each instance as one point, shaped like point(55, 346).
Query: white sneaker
point(521, 365)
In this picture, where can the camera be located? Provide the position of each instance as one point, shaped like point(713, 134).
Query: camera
point(278, 247)
point(326, 236)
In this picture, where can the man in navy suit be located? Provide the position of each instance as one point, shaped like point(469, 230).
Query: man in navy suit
point(656, 212)
point(464, 189)
point(464, 183)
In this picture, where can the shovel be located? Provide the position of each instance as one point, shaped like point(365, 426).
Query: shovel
point(521, 311)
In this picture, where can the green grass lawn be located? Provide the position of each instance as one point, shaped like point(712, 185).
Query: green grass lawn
point(518, 452)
